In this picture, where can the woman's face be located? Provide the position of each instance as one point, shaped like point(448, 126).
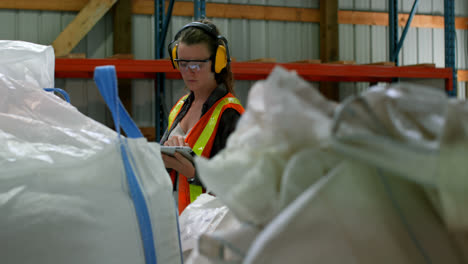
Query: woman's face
point(195, 67)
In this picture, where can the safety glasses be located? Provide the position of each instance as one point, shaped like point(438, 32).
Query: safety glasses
point(193, 65)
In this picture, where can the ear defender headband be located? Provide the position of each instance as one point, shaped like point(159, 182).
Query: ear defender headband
point(219, 61)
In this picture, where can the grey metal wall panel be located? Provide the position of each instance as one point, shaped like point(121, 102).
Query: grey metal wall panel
point(27, 26)
point(463, 90)
point(98, 44)
point(248, 39)
point(409, 50)
point(346, 4)
point(461, 7)
point(346, 43)
point(362, 4)
point(424, 7)
point(363, 51)
point(379, 44)
point(346, 50)
point(362, 44)
point(438, 7)
point(379, 6)
point(8, 25)
point(290, 3)
point(438, 47)
point(425, 45)
point(422, 45)
point(49, 27)
point(461, 49)
point(142, 90)
point(276, 38)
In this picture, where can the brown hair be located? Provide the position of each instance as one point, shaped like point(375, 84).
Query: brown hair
point(193, 35)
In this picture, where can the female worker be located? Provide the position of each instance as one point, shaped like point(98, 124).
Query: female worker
point(205, 117)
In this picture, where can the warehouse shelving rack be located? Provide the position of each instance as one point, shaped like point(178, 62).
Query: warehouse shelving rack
point(151, 69)
point(449, 35)
point(160, 69)
point(147, 69)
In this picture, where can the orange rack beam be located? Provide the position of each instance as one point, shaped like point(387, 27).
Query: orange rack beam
point(147, 69)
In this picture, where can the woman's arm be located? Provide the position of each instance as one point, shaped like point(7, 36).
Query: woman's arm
point(178, 162)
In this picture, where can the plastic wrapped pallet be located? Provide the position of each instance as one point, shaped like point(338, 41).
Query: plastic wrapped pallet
point(64, 196)
point(364, 186)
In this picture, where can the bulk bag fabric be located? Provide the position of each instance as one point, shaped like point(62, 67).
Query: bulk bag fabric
point(64, 194)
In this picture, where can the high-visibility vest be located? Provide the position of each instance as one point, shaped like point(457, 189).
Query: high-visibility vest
point(200, 139)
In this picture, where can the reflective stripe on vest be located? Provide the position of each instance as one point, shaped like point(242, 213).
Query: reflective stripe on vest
point(175, 111)
point(195, 191)
point(210, 126)
point(200, 143)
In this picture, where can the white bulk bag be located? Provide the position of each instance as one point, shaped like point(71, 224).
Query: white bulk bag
point(25, 61)
point(355, 189)
point(64, 196)
point(284, 115)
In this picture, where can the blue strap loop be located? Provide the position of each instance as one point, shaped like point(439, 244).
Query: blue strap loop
point(106, 80)
point(60, 91)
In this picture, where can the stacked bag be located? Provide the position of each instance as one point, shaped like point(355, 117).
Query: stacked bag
point(71, 189)
point(379, 178)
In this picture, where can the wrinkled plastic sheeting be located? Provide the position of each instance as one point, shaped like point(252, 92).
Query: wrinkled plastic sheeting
point(284, 115)
point(349, 216)
point(28, 62)
point(415, 132)
point(399, 144)
point(210, 233)
point(63, 191)
point(201, 217)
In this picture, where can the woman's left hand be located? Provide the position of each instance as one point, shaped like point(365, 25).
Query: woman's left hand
point(180, 164)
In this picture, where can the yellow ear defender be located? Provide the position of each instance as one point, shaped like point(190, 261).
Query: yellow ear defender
point(219, 61)
point(173, 55)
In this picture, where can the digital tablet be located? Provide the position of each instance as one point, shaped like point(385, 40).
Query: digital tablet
point(187, 152)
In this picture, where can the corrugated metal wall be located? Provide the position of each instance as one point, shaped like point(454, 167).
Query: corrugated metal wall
point(248, 39)
point(368, 44)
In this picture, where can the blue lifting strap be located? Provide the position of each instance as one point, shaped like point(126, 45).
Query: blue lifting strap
point(106, 80)
point(60, 91)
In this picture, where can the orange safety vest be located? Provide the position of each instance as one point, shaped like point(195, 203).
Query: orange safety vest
point(200, 139)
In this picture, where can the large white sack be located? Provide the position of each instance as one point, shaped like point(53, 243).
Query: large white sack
point(415, 132)
point(247, 174)
point(210, 232)
point(202, 216)
point(376, 204)
point(356, 214)
point(63, 191)
point(373, 207)
point(29, 62)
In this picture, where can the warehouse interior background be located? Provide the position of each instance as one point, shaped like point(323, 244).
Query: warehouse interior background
point(363, 38)
point(380, 177)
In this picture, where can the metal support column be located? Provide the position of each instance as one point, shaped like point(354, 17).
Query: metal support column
point(396, 45)
point(449, 21)
point(393, 29)
point(405, 30)
point(161, 24)
point(160, 77)
point(199, 9)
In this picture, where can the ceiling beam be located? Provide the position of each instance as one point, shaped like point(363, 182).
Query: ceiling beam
point(80, 26)
point(236, 11)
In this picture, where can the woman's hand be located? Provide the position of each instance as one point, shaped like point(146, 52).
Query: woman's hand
point(176, 141)
point(178, 162)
